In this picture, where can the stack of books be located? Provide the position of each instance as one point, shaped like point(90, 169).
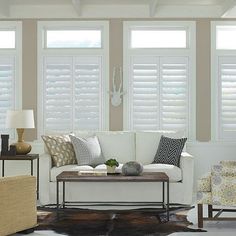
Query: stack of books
point(92, 172)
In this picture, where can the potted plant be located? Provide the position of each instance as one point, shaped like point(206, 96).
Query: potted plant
point(111, 165)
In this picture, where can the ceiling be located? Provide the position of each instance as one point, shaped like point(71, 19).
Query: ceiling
point(117, 8)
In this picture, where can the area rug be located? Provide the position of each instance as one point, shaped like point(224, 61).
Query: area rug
point(139, 222)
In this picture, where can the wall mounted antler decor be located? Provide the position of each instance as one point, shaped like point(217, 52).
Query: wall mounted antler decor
point(116, 94)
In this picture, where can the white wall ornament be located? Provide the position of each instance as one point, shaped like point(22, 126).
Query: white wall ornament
point(116, 94)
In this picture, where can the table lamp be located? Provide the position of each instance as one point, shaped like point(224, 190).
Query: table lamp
point(20, 119)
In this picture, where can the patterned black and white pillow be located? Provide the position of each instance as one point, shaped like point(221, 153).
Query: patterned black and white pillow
point(87, 151)
point(169, 151)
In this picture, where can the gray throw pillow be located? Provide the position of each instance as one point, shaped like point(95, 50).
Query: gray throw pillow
point(87, 151)
point(169, 151)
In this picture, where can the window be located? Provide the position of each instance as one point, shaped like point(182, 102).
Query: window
point(159, 76)
point(158, 38)
point(10, 70)
point(73, 76)
point(73, 38)
point(223, 80)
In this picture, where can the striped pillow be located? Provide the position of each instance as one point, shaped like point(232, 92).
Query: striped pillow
point(169, 151)
point(87, 151)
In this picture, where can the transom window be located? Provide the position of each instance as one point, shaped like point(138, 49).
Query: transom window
point(226, 37)
point(159, 38)
point(7, 39)
point(73, 76)
point(159, 78)
point(88, 38)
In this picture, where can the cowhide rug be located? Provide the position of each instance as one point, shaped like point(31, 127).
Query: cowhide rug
point(141, 222)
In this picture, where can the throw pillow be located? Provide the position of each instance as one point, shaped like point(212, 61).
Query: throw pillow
point(87, 150)
point(60, 148)
point(169, 151)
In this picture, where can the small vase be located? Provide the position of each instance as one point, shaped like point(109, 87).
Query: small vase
point(111, 169)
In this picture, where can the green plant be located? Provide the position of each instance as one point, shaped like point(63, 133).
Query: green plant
point(112, 162)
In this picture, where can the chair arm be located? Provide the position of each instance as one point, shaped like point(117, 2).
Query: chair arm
point(204, 183)
point(18, 204)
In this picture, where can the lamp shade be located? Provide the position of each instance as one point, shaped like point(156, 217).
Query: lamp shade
point(20, 119)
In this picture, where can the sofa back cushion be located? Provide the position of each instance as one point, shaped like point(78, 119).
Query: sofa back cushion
point(117, 144)
point(147, 143)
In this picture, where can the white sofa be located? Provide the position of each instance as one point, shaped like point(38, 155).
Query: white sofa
point(124, 146)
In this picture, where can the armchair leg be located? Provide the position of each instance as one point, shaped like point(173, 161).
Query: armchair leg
point(210, 211)
point(200, 215)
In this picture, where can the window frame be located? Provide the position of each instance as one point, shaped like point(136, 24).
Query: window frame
point(215, 54)
point(103, 51)
point(190, 51)
point(17, 54)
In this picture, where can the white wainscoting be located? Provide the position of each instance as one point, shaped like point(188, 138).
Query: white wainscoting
point(205, 155)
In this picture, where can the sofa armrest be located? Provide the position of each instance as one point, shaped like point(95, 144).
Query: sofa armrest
point(45, 164)
point(186, 165)
point(18, 204)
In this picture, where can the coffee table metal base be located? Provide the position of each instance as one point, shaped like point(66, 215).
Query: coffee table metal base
point(164, 204)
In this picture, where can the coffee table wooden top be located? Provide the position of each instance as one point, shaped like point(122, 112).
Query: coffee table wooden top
point(72, 176)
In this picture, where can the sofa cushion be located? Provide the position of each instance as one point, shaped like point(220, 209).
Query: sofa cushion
point(169, 150)
point(174, 173)
point(147, 144)
point(60, 148)
point(87, 150)
point(118, 145)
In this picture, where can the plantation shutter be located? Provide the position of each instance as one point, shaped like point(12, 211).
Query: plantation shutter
point(72, 93)
point(174, 93)
point(7, 90)
point(58, 94)
point(227, 97)
point(144, 92)
point(159, 93)
point(87, 93)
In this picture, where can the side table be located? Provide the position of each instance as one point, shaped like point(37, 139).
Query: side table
point(28, 157)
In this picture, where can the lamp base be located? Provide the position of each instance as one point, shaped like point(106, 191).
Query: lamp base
point(22, 148)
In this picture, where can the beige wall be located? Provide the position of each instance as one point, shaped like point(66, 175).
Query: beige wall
point(203, 103)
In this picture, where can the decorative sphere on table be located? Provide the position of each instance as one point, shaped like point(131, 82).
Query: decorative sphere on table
point(132, 168)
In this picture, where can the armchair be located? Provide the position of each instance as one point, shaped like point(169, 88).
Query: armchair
point(17, 204)
point(217, 188)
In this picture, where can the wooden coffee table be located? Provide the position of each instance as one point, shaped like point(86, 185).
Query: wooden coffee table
point(72, 176)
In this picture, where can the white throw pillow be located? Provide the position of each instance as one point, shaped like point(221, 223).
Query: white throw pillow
point(87, 150)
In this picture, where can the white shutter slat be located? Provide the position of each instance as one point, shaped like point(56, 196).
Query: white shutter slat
point(57, 93)
point(7, 90)
point(87, 93)
point(144, 90)
point(159, 93)
point(174, 93)
point(227, 97)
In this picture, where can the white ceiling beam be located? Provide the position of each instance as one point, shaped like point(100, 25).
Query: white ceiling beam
point(4, 7)
point(153, 8)
point(77, 4)
point(227, 5)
